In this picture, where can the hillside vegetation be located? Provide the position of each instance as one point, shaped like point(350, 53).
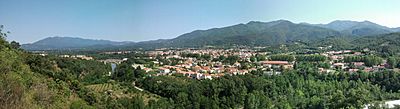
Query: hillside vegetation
point(32, 81)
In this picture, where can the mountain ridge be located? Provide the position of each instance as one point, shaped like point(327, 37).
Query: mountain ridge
point(57, 42)
point(250, 33)
point(358, 28)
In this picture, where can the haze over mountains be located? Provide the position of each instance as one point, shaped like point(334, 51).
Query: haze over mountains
point(253, 33)
point(358, 28)
point(51, 43)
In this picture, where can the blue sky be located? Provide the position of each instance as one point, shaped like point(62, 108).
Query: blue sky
point(140, 20)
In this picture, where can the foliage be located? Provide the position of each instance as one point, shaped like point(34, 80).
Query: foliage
point(291, 89)
point(311, 58)
point(369, 60)
point(282, 58)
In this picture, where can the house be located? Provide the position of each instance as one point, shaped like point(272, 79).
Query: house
point(252, 69)
point(217, 75)
point(271, 73)
point(196, 68)
point(42, 54)
point(117, 61)
point(287, 66)
point(322, 70)
point(353, 70)
point(87, 58)
point(385, 105)
point(243, 72)
point(335, 57)
point(339, 65)
point(274, 62)
point(206, 76)
point(358, 64)
point(196, 75)
point(205, 69)
point(237, 64)
point(368, 69)
point(138, 65)
point(156, 62)
point(164, 70)
point(277, 64)
point(64, 56)
point(357, 53)
point(232, 71)
point(109, 74)
point(147, 69)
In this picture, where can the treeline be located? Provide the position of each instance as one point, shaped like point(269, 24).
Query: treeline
point(197, 56)
point(368, 60)
point(294, 89)
point(258, 57)
point(393, 62)
point(311, 58)
point(290, 58)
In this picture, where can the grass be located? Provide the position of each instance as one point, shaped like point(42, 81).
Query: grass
point(119, 91)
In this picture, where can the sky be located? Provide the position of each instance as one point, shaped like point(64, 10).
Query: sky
point(141, 20)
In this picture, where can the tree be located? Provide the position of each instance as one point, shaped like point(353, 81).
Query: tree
point(139, 73)
point(3, 34)
point(372, 60)
point(251, 102)
point(311, 58)
point(253, 59)
point(282, 58)
point(232, 59)
point(392, 61)
point(15, 45)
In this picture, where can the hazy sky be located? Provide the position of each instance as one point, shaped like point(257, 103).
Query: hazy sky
point(139, 20)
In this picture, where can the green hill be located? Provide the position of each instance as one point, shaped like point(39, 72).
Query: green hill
point(386, 43)
point(364, 28)
point(31, 81)
point(65, 43)
point(253, 33)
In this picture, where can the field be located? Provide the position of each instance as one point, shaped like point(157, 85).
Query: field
point(119, 91)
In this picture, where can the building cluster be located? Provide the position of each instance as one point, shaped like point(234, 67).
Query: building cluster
point(207, 69)
point(84, 57)
point(336, 59)
point(196, 67)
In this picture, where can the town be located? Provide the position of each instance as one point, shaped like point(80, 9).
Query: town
point(213, 63)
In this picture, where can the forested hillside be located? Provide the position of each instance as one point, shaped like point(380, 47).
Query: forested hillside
point(66, 43)
point(386, 43)
point(251, 34)
point(33, 81)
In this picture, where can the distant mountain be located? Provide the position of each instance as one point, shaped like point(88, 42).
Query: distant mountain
point(337, 43)
point(396, 29)
point(383, 43)
point(387, 43)
point(52, 43)
point(364, 28)
point(252, 33)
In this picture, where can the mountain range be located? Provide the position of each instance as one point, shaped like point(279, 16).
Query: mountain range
point(253, 33)
point(358, 28)
point(60, 43)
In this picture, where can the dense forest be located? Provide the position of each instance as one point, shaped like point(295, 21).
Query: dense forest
point(33, 81)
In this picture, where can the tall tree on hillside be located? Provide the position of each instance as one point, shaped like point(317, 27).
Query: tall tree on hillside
point(392, 61)
point(15, 44)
